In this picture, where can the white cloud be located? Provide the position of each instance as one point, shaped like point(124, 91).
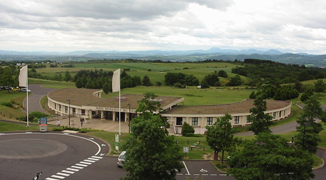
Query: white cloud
point(68, 25)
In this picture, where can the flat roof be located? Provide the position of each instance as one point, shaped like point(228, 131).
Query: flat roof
point(239, 107)
point(86, 97)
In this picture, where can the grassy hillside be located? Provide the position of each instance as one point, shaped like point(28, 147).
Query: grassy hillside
point(155, 71)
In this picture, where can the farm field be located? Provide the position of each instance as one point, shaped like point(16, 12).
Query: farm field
point(155, 71)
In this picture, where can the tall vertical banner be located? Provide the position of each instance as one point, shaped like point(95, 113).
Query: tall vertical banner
point(116, 81)
point(23, 77)
point(23, 82)
point(115, 88)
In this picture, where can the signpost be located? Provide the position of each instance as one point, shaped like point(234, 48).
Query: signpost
point(43, 124)
point(185, 150)
point(117, 142)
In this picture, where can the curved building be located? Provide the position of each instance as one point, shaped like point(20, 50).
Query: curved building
point(87, 103)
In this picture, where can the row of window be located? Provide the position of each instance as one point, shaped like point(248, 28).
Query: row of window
point(236, 119)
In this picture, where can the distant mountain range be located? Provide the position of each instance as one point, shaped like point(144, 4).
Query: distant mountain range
point(175, 56)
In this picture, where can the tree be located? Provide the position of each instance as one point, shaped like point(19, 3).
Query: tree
point(187, 130)
point(150, 152)
point(67, 76)
point(234, 81)
point(320, 86)
point(204, 84)
point(79, 83)
point(307, 94)
point(212, 79)
point(252, 95)
point(107, 87)
point(191, 80)
point(260, 121)
point(149, 104)
point(270, 156)
point(222, 73)
point(6, 78)
point(308, 129)
point(146, 81)
point(219, 136)
point(89, 84)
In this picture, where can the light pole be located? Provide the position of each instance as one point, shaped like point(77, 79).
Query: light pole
point(69, 111)
point(129, 117)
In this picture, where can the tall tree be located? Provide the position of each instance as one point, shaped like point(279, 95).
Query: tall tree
point(320, 86)
point(6, 78)
point(260, 121)
point(67, 76)
point(150, 152)
point(270, 156)
point(219, 136)
point(146, 81)
point(308, 136)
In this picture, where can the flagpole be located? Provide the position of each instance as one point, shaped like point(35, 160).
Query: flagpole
point(27, 94)
point(119, 105)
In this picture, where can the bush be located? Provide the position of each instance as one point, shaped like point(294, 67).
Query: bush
point(187, 130)
point(8, 104)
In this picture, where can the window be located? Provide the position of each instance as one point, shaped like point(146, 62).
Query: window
point(179, 120)
point(274, 115)
point(280, 114)
point(209, 121)
point(59, 107)
point(83, 111)
point(236, 119)
point(195, 121)
point(66, 109)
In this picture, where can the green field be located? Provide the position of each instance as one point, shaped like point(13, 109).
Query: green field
point(156, 73)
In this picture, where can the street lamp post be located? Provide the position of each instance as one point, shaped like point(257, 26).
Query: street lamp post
point(69, 111)
point(129, 117)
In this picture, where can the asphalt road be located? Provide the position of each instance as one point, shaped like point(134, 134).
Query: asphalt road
point(56, 155)
point(34, 100)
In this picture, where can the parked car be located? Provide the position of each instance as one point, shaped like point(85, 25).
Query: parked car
point(121, 159)
point(25, 89)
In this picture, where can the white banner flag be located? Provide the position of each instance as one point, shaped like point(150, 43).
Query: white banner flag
point(116, 81)
point(23, 77)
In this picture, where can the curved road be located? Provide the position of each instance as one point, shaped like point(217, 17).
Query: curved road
point(56, 155)
point(34, 100)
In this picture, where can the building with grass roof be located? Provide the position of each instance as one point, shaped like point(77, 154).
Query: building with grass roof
point(87, 103)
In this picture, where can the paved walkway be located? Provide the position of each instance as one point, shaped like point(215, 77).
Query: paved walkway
point(107, 125)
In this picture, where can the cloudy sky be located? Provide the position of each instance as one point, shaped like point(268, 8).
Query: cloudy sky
point(128, 25)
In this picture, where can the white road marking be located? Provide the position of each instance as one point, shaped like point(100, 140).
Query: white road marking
point(71, 169)
point(186, 168)
point(50, 178)
point(63, 174)
point(83, 165)
point(93, 159)
point(88, 163)
point(70, 172)
point(97, 157)
point(78, 167)
point(60, 177)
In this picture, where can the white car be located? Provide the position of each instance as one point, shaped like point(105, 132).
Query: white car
point(25, 89)
point(121, 159)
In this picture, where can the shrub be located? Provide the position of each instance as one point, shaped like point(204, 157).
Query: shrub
point(8, 104)
point(187, 130)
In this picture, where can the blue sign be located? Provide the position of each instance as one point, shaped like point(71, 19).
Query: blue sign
point(43, 120)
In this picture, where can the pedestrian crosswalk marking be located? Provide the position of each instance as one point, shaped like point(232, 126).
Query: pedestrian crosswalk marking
point(70, 172)
point(63, 174)
point(75, 168)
